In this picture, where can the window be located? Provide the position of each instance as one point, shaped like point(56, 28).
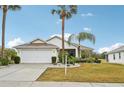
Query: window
point(119, 55)
point(72, 52)
point(114, 56)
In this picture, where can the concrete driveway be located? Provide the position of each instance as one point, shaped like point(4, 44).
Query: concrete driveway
point(22, 72)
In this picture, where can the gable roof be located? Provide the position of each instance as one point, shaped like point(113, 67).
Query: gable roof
point(38, 40)
point(120, 49)
point(73, 44)
point(41, 45)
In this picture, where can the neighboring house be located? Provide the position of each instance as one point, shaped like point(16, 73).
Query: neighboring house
point(116, 55)
point(39, 51)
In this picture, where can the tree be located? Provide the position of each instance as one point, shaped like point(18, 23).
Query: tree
point(10, 53)
point(81, 37)
point(64, 12)
point(5, 9)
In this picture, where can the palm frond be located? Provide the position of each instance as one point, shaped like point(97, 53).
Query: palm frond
point(68, 15)
point(73, 9)
point(53, 11)
point(14, 7)
point(71, 37)
point(60, 16)
point(63, 7)
point(87, 36)
point(2, 6)
point(66, 11)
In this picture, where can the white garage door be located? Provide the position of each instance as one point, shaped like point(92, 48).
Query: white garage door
point(36, 56)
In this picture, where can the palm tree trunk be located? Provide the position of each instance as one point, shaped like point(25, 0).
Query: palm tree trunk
point(63, 46)
point(3, 30)
point(79, 54)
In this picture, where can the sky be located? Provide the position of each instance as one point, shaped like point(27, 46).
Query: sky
point(31, 22)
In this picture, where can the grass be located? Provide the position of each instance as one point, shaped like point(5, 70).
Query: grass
point(105, 72)
point(103, 61)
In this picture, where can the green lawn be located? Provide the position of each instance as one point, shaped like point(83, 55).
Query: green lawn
point(104, 72)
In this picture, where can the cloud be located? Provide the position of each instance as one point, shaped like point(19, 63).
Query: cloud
point(15, 42)
point(87, 14)
point(104, 49)
point(110, 48)
point(59, 35)
point(58, 21)
point(87, 29)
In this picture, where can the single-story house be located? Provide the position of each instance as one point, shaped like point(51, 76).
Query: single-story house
point(40, 51)
point(116, 55)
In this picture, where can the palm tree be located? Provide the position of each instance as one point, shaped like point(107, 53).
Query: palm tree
point(5, 9)
point(81, 37)
point(64, 12)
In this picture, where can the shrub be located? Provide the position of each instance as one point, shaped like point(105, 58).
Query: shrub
point(11, 62)
point(13, 57)
point(90, 60)
point(81, 60)
point(4, 61)
point(97, 61)
point(61, 56)
point(17, 59)
point(85, 53)
point(9, 53)
point(54, 60)
point(72, 60)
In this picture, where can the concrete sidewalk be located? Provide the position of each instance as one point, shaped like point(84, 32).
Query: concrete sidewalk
point(57, 84)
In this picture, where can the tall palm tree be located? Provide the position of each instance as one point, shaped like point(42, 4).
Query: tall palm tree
point(81, 37)
point(64, 12)
point(5, 9)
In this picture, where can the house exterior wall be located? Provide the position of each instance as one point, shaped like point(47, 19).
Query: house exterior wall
point(58, 43)
point(117, 59)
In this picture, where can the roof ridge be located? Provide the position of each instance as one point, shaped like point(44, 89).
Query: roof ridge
point(67, 41)
point(38, 39)
point(117, 49)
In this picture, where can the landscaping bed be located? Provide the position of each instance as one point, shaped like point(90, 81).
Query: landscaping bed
point(104, 72)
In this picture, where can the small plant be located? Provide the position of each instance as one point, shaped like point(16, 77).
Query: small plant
point(4, 61)
point(17, 59)
point(54, 60)
point(72, 60)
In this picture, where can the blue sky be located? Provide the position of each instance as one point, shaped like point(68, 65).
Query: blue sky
point(105, 22)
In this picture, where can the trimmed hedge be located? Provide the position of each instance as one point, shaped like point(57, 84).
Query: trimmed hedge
point(17, 59)
point(89, 60)
point(4, 61)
